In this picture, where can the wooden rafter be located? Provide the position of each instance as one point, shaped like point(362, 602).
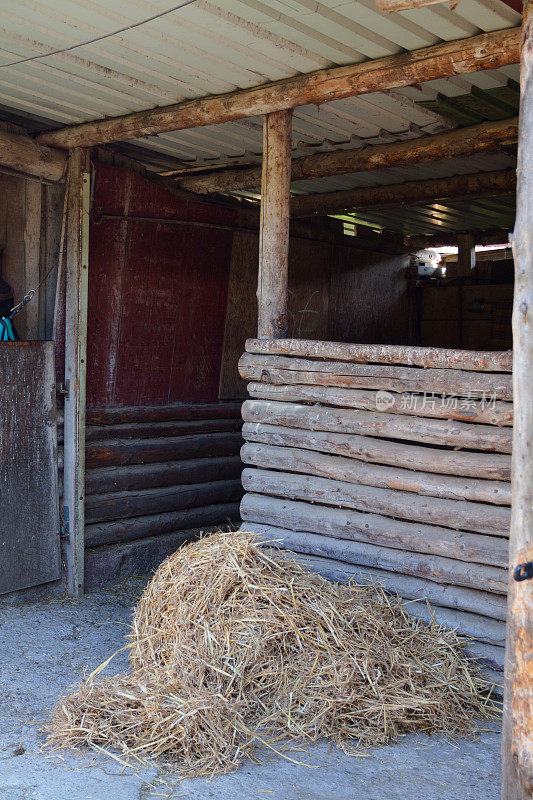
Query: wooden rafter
point(487, 51)
point(465, 187)
point(466, 141)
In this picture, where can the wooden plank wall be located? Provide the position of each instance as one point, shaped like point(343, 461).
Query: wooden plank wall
point(387, 462)
point(30, 223)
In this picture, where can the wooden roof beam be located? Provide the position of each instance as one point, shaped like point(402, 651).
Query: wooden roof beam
point(464, 187)
point(450, 238)
point(23, 154)
point(487, 51)
point(464, 141)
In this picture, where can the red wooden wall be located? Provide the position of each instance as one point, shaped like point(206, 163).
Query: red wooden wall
point(157, 295)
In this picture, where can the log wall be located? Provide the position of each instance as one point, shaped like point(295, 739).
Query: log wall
point(152, 473)
point(387, 462)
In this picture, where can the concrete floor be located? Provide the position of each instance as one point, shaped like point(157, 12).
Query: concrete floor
point(44, 648)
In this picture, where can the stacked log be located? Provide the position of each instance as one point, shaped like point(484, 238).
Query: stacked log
point(153, 471)
point(386, 463)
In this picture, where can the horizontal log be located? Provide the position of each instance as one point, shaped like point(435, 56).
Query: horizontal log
point(176, 411)
point(378, 424)
point(433, 357)
point(494, 466)
point(465, 187)
point(291, 459)
point(169, 473)
point(447, 571)
point(488, 655)
point(374, 529)
point(459, 383)
point(449, 239)
point(487, 51)
point(490, 606)
point(481, 629)
point(121, 505)
point(457, 514)
point(481, 138)
point(127, 530)
point(115, 452)
point(155, 430)
point(23, 154)
point(497, 412)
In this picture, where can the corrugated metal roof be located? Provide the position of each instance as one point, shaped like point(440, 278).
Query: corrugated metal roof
point(209, 47)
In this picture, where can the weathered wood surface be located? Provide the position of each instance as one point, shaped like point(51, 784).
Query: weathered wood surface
point(517, 747)
point(373, 529)
point(490, 606)
point(482, 629)
point(292, 459)
point(75, 375)
point(273, 276)
point(29, 506)
point(457, 514)
point(286, 370)
point(434, 357)
point(154, 430)
point(447, 571)
point(127, 530)
point(121, 505)
point(168, 473)
point(378, 424)
point(480, 138)
point(494, 466)
point(481, 184)
point(23, 154)
point(118, 453)
point(487, 51)
point(176, 411)
point(497, 412)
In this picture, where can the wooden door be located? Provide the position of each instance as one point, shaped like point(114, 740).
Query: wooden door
point(29, 501)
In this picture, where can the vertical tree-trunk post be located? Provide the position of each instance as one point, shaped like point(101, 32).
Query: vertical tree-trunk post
point(466, 254)
point(517, 747)
point(272, 290)
point(76, 273)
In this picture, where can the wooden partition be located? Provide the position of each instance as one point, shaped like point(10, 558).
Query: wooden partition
point(154, 474)
point(390, 463)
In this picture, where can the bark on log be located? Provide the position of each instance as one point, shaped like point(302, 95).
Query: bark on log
point(388, 426)
point(482, 184)
point(482, 629)
point(127, 530)
point(273, 276)
point(155, 430)
point(481, 138)
point(170, 473)
point(176, 411)
point(285, 370)
point(496, 413)
point(517, 747)
point(434, 357)
point(447, 571)
point(118, 453)
point(489, 607)
point(121, 505)
point(291, 459)
point(487, 51)
point(375, 451)
point(456, 514)
point(373, 529)
point(23, 154)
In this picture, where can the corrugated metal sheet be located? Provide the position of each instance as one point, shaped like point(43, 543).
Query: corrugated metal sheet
point(209, 47)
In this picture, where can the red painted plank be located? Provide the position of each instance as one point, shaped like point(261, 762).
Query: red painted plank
point(157, 295)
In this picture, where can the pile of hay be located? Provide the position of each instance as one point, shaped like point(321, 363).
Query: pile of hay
point(232, 646)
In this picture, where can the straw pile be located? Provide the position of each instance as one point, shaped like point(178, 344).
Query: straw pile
point(233, 646)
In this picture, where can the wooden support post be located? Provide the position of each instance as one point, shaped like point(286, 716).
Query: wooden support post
point(272, 289)
point(517, 747)
point(77, 257)
point(466, 255)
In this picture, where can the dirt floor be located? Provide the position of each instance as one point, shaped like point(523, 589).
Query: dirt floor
point(44, 648)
